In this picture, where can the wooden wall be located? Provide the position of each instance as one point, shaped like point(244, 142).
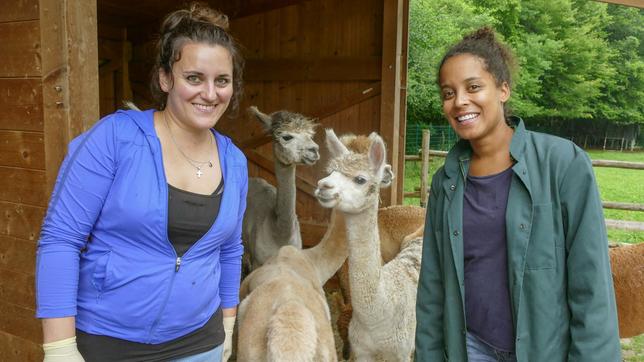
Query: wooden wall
point(22, 173)
point(36, 122)
point(342, 62)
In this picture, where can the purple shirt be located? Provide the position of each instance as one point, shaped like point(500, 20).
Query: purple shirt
point(488, 310)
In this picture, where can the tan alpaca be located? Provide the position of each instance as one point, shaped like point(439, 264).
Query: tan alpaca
point(395, 223)
point(383, 297)
point(270, 221)
point(283, 315)
point(627, 266)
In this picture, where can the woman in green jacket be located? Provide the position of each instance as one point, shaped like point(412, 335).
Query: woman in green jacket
point(515, 262)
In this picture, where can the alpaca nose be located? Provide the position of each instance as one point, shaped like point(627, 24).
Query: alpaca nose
point(314, 151)
point(324, 184)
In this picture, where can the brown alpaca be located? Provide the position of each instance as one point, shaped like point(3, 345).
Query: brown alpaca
point(627, 266)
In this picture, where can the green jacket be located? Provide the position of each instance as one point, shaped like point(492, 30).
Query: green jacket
point(561, 290)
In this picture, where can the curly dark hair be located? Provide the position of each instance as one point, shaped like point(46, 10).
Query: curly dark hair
point(498, 59)
point(199, 24)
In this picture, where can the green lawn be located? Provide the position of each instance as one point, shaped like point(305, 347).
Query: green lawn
point(621, 185)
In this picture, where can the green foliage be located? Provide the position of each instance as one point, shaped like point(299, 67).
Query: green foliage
point(577, 58)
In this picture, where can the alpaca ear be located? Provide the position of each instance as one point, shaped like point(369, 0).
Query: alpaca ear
point(265, 119)
point(377, 153)
point(387, 176)
point(336, 148)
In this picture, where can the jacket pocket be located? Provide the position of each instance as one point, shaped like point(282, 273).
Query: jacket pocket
point(100, 275)
point(541, 249)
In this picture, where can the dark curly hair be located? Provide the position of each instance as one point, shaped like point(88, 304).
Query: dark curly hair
point(497, 57)
point(199, 24)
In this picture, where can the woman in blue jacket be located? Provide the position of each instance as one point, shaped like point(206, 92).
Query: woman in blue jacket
point(140, 251)
point(515, 259)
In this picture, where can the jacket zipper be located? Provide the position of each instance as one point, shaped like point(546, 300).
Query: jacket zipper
point(177, 265)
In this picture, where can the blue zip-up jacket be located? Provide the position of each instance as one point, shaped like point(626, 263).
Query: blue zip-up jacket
point(104, 254)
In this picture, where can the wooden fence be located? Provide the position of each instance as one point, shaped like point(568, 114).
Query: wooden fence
point(426, 153)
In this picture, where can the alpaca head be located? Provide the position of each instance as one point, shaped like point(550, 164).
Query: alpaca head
point(356, 172)
point(292, 135)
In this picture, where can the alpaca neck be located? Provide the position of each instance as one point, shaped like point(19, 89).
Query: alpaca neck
point(364, 256)
point(285, 217)
point(331, 252)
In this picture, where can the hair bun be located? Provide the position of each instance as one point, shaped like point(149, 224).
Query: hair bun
point(201, 12)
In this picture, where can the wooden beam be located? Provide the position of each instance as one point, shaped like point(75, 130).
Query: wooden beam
point(326, 111)
point(633, 3)
point(69, 56)
point(618, 164)
point(313, 69)
point(392, 38)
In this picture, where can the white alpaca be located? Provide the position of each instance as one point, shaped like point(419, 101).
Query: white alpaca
point(270, 221)
point(383, 297)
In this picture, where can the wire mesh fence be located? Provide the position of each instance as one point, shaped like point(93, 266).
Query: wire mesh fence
point(442, 137)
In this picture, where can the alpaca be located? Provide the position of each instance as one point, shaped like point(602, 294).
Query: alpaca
point(627, 266)
point(270, 221)
point(383, 297)
point(395, 224)
point(284, 315)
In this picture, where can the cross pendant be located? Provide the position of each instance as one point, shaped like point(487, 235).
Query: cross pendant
point(199, 173)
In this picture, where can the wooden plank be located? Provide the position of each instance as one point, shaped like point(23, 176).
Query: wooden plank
point(314, 69)
point(82, 51)
point(23, 186)
point(19, 49)
point(633, 3)
point(55, 86)
point(17, 288)
point(618, 164)
point(20, 322)
point(70, 72)
point(623, 206)
point(17, 255)
point(19, 10)
point(625, 225)
point(21, 104)
point(20, 221)
point(402, 129)
point(22, 149)
point(16, 349)
point(392, 32)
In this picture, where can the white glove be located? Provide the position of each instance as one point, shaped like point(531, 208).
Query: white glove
point(229, 326)
point(64, 350)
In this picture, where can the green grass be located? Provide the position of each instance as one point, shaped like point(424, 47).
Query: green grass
point(620, 185)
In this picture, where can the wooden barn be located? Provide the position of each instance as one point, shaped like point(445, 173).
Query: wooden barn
point(66, 63)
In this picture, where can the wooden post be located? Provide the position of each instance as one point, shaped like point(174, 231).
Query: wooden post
point(424, 170)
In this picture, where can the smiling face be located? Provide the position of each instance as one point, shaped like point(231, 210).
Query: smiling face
point(200, 86)
point(472, 100)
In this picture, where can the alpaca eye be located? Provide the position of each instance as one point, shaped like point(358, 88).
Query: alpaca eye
point(360, 180)
point(287, 138)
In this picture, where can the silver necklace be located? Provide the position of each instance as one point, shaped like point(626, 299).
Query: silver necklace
point(194, 163)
